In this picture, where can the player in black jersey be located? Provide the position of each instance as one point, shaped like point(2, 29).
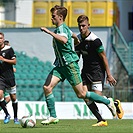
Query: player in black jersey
point(7, 95)
point(95, 64)
point(7, 78)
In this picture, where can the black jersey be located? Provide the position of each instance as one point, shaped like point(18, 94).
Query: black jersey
point(6, 69)
point(92, 63)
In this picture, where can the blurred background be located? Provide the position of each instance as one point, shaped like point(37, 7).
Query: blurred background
point(111, 21)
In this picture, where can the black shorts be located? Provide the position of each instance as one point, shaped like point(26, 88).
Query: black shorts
point(89, 79)
point(6, 84)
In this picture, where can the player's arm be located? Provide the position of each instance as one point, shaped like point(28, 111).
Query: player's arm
point(10, 61)
point(105, 62)
point(14, 69)
point(74, 36)
point(60, 38)
point(102, 54)
point(76, 40)
point(109, 77)
point(100, 50)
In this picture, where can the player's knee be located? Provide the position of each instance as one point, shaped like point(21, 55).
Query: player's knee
point(46, 89)
point(7, 99)
point(13, 97)
point(80, 95)
point(15, 101)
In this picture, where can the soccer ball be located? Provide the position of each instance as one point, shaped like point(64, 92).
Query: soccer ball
point(28, 121)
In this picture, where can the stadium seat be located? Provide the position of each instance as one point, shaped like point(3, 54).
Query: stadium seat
point(30, 76)
point(22, 98)
point(17, 76)
point(23, 76)
point(31, 98)
point(19, 82)
point(28, 93)
point(28, 82)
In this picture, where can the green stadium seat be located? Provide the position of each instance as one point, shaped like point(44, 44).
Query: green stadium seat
point(17, 76)
point(38, 75)
point(31, 76)
point(22, 99)
point(35, 82)
point(39, 67)
point(28, 82)
point(20, 93)
point(41, 82)
point(28, 93)
point(23, 76)
point(35, 60)
point(20, 82)
point(18, 67)
point(40, 63)
point(32, 67)
point(31, 99)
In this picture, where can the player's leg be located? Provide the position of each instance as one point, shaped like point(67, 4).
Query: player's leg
point(14, 100)
point(3, 106)
point(88, 85)
point(94, 109)
point(6, 98)
point(117, 103)
point(94, 97)
point(97, 88)
point(50, 83)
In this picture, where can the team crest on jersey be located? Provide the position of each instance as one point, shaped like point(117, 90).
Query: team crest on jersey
point(86, 46)
point(3, 54)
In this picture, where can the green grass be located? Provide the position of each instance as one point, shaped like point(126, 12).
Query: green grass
point(71, 126)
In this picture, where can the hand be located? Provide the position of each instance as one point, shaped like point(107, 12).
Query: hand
point(76, 41)
point(1, 58)
point(110, 79)
point(45, 30)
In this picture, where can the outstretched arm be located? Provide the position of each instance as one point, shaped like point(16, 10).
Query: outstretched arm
point(58, 37)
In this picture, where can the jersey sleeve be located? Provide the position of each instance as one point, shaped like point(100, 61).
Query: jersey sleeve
point(71, 32)
point(12, 53)
point(63, 34)
point(98, 45)
point(64, 31)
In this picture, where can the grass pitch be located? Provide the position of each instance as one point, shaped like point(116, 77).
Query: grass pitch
point(70, 126)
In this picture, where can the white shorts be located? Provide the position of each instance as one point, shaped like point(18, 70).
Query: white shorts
point(11, 90)
point(97, 86)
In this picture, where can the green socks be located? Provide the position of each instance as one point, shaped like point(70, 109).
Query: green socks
point(97, 98)
point(51, 105)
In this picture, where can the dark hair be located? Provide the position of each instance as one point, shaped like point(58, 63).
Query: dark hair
point(82, 18)
point(1, 33)
point(6, 42)
point(60, 11)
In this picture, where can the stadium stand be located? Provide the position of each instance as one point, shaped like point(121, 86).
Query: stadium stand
point(30, 76)
point(123, 65)
point(123, 50)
